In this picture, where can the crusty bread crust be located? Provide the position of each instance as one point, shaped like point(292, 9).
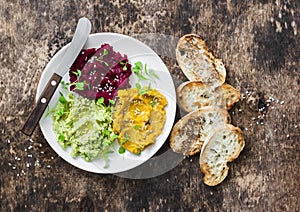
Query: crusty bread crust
point(190, 132)
point(223, 146)
point(197, 62)
point(192, 95)
point(206, 98)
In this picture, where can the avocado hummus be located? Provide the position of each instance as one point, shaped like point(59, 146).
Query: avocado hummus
point(139, 118)
point(84, 125)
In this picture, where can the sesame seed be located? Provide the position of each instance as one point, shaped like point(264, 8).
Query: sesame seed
point(296, 126)
point(283, 115)
point(30, 155)
point(287, 135)
point(8, 141)
point(37, 163)
point(246, 129)
point(275, 130)
point(282, 102)
point(9, 164)
point(31, 140)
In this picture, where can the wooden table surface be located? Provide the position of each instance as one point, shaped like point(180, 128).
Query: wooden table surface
point(259, 44)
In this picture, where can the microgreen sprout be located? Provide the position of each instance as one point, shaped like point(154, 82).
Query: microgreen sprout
point(122, 141)
point(100, 101)
point(124, 64)
point(121, 150)
point(142, 90)
point(136, 126)
point(105, 52)
point(143, 72)
point(78, 85)
point(111, 101)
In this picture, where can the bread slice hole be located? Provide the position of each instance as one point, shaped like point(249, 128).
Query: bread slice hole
point(182, 52)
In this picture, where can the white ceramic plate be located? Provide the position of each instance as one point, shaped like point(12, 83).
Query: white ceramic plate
point(136, 51)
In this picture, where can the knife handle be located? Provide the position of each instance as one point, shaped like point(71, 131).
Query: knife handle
point(41, 105)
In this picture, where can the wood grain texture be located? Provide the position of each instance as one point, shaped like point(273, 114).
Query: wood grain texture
point(258, 41)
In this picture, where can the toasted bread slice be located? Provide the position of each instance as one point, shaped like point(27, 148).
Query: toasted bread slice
point(194, 95)
point(223, 146)
point(197, 62)
point(190, 132)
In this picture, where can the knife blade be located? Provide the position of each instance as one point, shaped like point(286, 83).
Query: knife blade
point(80, 37)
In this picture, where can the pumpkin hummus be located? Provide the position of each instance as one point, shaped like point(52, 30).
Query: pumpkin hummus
point(139, 118)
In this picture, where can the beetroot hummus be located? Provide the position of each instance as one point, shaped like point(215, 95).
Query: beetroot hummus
point(103, 72)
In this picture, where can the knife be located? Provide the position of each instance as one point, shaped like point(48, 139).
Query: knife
point(81, 34)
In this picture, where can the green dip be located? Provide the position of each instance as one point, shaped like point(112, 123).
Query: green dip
point(84, 125)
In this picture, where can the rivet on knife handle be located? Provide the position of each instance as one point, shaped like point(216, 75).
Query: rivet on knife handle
point(41, 105)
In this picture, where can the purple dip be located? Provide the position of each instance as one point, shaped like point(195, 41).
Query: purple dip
point(104, 72)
